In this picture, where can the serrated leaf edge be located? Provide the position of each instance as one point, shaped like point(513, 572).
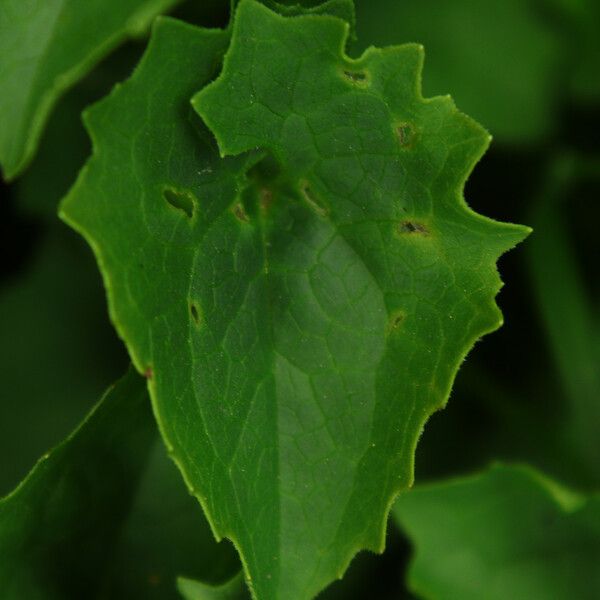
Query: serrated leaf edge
point(376, 543)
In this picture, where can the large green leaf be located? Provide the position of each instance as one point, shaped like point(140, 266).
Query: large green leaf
point(506, 533)
point(297, 324)
point(45, 47)
point(59, 527)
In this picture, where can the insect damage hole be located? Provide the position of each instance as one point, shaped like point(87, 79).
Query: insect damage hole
point(360, 78)
point(195, 313)
point(311, 199)
point(413, 228)
point(396, 320)
point(183, 201)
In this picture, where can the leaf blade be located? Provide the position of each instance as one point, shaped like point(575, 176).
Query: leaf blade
point(76, 496)
point(271, 292)
point(508, 531)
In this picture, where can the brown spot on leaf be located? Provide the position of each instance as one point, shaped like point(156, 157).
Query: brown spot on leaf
point(266, 198)
point(148, 373)
point(240, 213)
point(195, 313)
point(357, 77)
point(413, 228)
point(405, 132)
point(396, 320)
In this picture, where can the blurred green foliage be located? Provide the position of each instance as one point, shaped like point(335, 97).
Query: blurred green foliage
point(58, 529)
point(508, 531)
point(48, 46)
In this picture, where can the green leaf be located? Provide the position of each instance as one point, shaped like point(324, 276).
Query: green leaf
point(58, 528)
point(299, 310)
point(45, 47)
point(165, 535)
point(51, 172)
point(235, 589)
point(505, 533)
point(57, 349)
point(372, 173)
point(532, 393)
point(501, 60)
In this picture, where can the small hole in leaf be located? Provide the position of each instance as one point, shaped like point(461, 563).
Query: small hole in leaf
point(396, 320)
point(413, 227)
point(195, 313)
point(357, 77)
point(239, 212)
point(312, 200)
point(180, 200)
point(406, 134)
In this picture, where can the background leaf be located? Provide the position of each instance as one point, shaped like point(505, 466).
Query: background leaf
point(505, 533)
point(577, 20)
point(165, 535)
point(46, 46)
point(569, 315)
point(57, 350)
point(59, 527)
